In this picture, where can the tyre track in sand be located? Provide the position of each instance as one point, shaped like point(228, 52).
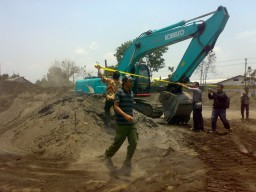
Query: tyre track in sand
point(230, 159)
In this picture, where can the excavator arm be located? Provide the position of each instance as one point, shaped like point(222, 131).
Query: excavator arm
point(175, 104)
point(203, 33)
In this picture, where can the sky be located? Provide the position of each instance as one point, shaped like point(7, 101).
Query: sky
point(36, 33)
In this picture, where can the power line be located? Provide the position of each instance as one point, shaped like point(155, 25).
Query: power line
point(231, 60)
point(230, 65)
point(242, 64)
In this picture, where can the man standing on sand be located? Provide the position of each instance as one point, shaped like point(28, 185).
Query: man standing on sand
point(197, 106)
point(112, 86)
point(219, 107)
point(245, 101)
point(123, 106)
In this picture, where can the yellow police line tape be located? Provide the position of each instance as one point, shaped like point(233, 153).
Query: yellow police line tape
point(136, 75)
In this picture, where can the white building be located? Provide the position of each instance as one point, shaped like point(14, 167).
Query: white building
point(19, 79)
point(212, 81)
point(237, 80)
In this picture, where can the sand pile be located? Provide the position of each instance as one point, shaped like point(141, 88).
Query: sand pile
point(55, 126)
point(54, 123)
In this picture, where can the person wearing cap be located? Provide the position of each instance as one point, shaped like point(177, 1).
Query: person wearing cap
point(245, 101)
point(112, 86)
point(126, 128)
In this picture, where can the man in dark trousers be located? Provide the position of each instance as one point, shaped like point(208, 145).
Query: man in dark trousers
point(126, 128)
point(197, 106)
point(245, 101)
point(112, 86)
point(219, 107)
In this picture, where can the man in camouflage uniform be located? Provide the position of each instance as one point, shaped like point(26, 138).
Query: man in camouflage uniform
point(112, 86)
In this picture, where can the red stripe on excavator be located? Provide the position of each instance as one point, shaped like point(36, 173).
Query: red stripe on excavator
point(142, 95)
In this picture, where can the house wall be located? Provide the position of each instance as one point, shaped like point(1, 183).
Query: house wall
point(19, 79)
point(234, 81)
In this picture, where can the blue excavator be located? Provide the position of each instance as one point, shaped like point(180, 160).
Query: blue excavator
point(175, 104)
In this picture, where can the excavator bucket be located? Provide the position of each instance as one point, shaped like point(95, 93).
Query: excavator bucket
point(176, 108)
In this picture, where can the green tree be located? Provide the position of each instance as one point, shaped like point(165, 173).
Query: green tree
point(59, 74)
point(15, 75)
point(43, 82)
point(56, 77)
point(206, 66)
point(4, 76)
point(154, 60)
point(253, 74)
point(70, 68)
point(121, 49)
point(83, 71)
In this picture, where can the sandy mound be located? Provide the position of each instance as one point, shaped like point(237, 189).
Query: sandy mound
point(54, 123)
point(53, 126)
point(51, 140)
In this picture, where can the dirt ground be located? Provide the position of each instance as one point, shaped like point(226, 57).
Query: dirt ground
point(52, 141)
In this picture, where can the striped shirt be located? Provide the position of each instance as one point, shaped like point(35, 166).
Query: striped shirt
point(125, 101)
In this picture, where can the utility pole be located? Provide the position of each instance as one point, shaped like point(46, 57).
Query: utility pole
point(106, 65)
point(249, 74)
point(245, 71)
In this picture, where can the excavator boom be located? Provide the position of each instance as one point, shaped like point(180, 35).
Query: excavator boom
point(204, 35)
point(175, 104)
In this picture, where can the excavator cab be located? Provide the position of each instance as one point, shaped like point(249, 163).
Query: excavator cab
point(143, 100)
point(141, 84)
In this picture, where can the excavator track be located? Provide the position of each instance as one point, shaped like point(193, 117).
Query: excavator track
point(148, 108)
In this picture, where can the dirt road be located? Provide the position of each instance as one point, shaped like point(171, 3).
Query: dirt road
point(56, 146)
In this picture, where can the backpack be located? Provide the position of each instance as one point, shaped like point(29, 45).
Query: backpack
point(227, 102)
